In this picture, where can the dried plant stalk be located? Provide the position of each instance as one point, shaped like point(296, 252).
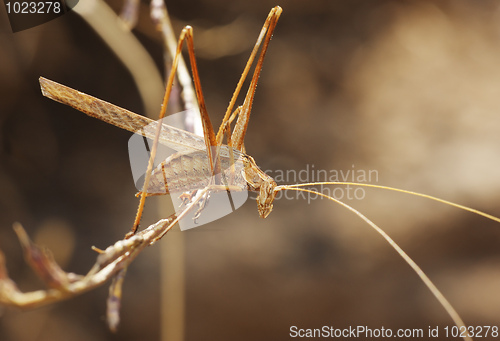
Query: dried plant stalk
point(63, 285)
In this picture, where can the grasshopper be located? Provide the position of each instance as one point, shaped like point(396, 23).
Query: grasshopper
point(224, 166)
point(199, 151)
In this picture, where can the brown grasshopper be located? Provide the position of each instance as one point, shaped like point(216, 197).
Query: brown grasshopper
point(224, 167)
point(205, 155)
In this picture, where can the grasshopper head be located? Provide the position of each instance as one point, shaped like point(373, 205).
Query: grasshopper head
point(266, 197)
point(257, 180)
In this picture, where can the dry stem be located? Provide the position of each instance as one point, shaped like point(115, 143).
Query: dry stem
point(63, 285)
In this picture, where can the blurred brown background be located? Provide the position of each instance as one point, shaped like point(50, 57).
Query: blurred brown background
point(408, 88)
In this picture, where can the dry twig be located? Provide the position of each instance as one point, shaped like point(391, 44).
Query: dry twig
point(63, 285)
